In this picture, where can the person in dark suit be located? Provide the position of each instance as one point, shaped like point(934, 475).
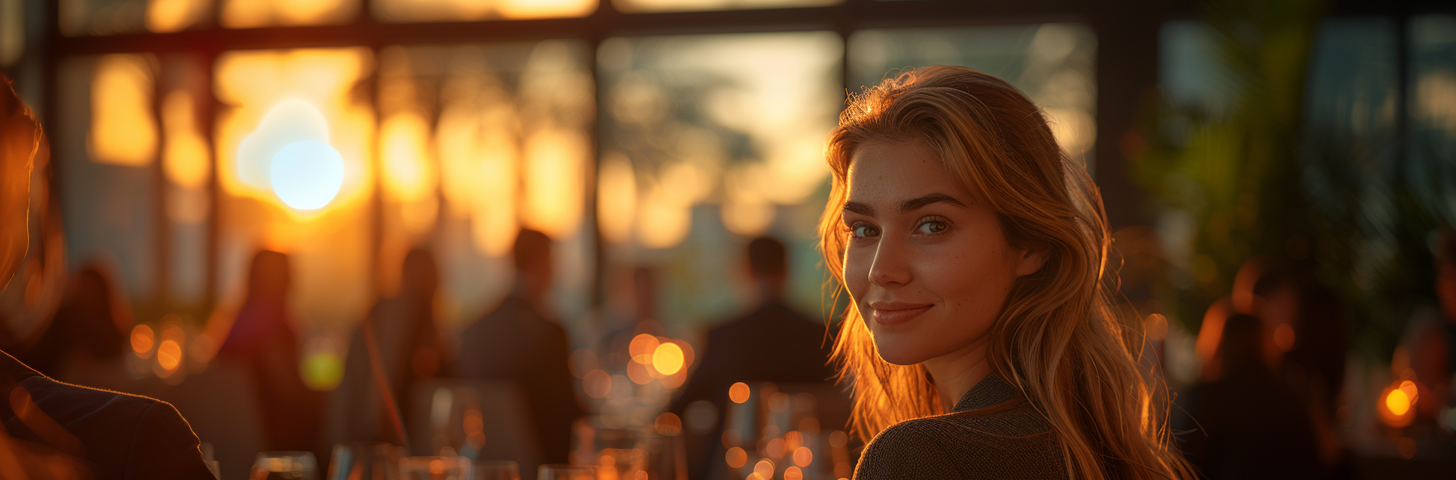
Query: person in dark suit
point(1249, 423)
point(518, 342)
point(54, 429)
point(772, 343)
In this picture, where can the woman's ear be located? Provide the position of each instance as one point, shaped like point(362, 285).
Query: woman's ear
point(1030, 261)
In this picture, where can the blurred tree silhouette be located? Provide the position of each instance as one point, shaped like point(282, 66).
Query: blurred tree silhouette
point(1256, 178)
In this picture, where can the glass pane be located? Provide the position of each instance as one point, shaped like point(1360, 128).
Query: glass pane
point(478, 140)
point(104, 153)
point(1432, 104)
point(1053, 63)
point(707, 140)
point(637, 6)
point(463, 10)
point(1190, 71)
point(267, 13)
point(106, 17)
point(272, 99)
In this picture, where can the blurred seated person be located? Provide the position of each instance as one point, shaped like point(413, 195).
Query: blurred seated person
point(88, 332)
point(519, 342)
point(1247, 424)
point(262, 340)
point(409, 348)
point(772, 343)
point(57, 430)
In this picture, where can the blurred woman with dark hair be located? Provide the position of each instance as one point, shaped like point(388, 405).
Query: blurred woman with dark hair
point(263, 340)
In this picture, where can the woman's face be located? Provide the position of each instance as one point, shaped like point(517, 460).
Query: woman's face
point(926, 261)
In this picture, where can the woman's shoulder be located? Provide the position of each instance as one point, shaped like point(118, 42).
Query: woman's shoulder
point(1011, 443)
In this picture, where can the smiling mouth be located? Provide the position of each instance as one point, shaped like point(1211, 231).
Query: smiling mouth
point(897, 315)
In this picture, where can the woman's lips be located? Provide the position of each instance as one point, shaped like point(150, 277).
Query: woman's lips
point(895, 314)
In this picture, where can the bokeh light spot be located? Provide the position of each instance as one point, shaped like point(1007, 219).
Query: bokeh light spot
point(803, 456)
point(169, 355)
point(142, 340)
point(738, 393)
point(736, 457)
point(1398, 402)
point(307, 174)
point(668, 358)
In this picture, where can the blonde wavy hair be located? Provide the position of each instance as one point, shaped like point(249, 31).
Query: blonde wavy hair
point(1058, 338)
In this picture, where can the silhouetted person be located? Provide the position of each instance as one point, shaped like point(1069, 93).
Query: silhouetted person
point(772, 343)
point(86, 330)
point(262, 339)
point(517, 342)
point(409, 349)
point(57, 430)
point(1248, 424)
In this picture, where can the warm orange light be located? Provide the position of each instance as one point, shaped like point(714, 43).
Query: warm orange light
point(1395, 407)
point(184, 154)
point(554, 181)
point(616, 198)
point(667, 424)
point(803, 456)
point(597, 383)
point(667, 358)
point(663, 219)
point(736, 457)
point(123, 128)
point(173, 15)
point(747, 211)
point(494, 214)
point(640, 373)
point(738, 393)
point(142, 340)
point(838, 439)
point(409, 173)
point(262, 13)
point(169, 355)
point(1284, 337)
point(1155, 327)
point(764, 468)
point(774, 448)
point(793, 473)
point(793, 440)
point(519, 9)
point(642, 348)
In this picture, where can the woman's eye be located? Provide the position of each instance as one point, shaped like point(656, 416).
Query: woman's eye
point(860, 230)
point(931, 227)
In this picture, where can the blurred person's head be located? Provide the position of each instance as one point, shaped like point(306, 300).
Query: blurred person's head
point(20, 140)
point(1242, 347)
point(768, 264)
point(1446, 273)
point(532, 256)
point(963, 232)
point(420, 277)
point(268, 277)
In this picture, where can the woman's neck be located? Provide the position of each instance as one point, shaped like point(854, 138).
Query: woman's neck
point(956, 372)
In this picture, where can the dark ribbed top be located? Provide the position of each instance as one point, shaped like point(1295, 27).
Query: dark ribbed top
point(992, 433)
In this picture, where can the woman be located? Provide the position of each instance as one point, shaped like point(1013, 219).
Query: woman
point(973, 250)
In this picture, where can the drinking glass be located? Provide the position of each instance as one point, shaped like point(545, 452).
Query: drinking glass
point(434, 468)
point(364, 461)
point(294, 465)
point(566, 472)
point(496, 470)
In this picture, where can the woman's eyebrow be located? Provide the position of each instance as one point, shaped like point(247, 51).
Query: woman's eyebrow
point(859, 208)
point(915, 203)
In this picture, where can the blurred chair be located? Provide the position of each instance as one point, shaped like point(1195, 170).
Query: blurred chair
point(479, 419)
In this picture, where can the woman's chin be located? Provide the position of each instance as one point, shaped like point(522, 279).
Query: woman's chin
point(898, 354)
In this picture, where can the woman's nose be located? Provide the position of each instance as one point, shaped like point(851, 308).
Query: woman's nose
point(891, 266)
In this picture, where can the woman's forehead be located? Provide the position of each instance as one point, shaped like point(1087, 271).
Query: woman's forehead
point(892, 171)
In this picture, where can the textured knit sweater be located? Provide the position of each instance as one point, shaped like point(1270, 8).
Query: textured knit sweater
point(992, 433)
